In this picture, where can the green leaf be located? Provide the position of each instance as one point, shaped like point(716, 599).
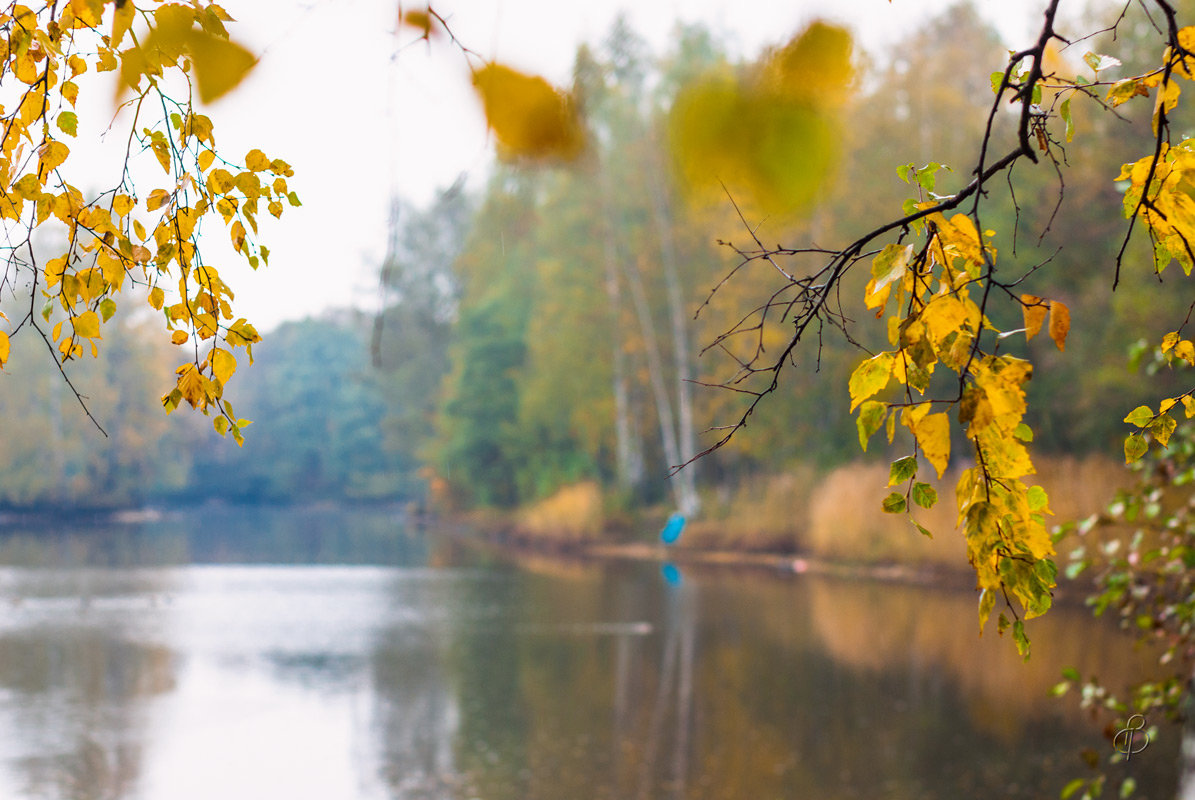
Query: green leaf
point(1134, 447)
point(924, 495)
point(901, 470)
point(1140, 416)
point(1059, 689)
point(1162, 427)
point(894, 503)
point(871, 417)
point(1065, 111)
point(987, 601)
point(923, 530)
point(1037, 497)
point(1072, 787)
point(68, 122)
point(1023, 432)
point(1022, 641)
point(107, 308)
point(1127, 787)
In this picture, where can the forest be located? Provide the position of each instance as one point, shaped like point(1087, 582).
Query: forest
point(553, 327)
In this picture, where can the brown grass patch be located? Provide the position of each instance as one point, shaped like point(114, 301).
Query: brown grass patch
point(572, 515)
point(846, 522)
point(763, 512)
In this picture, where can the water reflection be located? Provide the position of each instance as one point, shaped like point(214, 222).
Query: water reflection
point(543, 681)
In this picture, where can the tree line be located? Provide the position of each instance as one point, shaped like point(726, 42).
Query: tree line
point(549, 328)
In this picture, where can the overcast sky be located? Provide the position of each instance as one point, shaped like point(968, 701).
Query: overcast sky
point(361, 117)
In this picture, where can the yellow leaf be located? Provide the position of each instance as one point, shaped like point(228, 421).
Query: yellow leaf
point(870, 377)
point(242, 333)
point(814, 66)
point(238, 236)
point(87, 12)
point(25, 68)
point(178, 337)
point(49, 157)
point(1034, 310)
point(205, 160)
point(122, 20)
point(887, 268)
point(1185, 350)
point(1060, 323)
point(1189, 405)
point(162, 153)
point(224, 364)
point(192, 385)
point(200, 127)
point(944, 315)
point(5, 346)
point(933, 435)
point(1125, 90)
point(530, 118)
point(256, 161)
point(156, 298)
point(122, 204)
point(219, 181)
point(78, 65)
point(420, 20)
point(157, 198)
point(105, 63)
point(220, 64)
point(1166, 100)
point(87, 325)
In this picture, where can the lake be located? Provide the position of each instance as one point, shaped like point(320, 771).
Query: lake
point(315, 654)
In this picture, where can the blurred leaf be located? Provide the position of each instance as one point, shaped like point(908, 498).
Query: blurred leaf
point(220, 64)
point(530, 118)
point(773, 135)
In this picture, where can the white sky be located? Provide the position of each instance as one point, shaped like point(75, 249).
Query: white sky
point(360, 121)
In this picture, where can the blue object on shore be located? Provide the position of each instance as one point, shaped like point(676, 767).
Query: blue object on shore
point(671, 574)
point(672, 529)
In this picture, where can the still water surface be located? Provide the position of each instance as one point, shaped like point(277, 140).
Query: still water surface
point(336, 656)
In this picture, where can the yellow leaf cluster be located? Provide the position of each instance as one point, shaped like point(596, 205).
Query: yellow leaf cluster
point(1170, 210)
point(115, 238)
point(932, 322)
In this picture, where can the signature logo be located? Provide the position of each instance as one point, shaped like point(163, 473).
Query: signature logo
point(1131, 739)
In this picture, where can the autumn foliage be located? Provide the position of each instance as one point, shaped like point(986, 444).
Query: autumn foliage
point(141, 236)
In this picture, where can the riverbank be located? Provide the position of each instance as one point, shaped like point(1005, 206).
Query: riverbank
point(793, 522)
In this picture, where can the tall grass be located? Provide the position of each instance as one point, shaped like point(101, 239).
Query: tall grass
point(571, 516)
point(836, 517)
point(846, 522)
point(765, 512)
